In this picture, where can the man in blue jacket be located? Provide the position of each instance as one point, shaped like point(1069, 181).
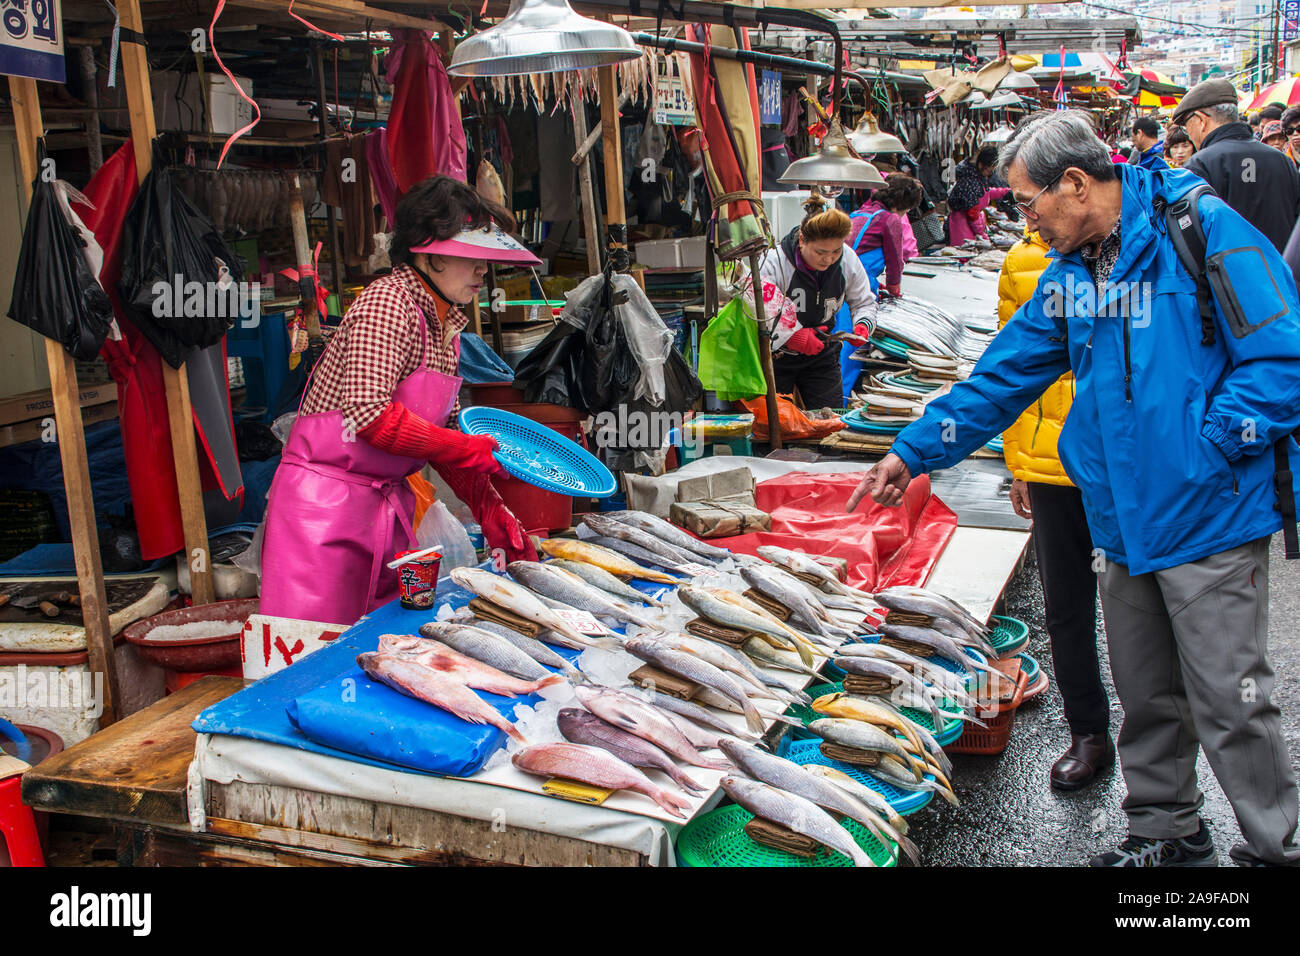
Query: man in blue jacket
point(1150, 146)
point(1170, 440)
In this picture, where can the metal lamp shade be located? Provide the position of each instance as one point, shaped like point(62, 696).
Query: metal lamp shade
point(1018, 81)
point(868, 138)
point(542, 36)
point(833, 165)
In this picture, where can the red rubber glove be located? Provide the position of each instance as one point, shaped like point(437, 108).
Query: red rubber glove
point(806, 342)
point(894, 290)
point(862, 330)
point(501, 529)
point(400, 431)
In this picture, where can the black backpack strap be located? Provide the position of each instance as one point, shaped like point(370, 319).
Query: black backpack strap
point(1283, 483)
point(1183, 221)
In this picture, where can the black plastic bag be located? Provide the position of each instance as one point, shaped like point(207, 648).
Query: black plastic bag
point(551, 372)
point(55, 293)
point(165, 236)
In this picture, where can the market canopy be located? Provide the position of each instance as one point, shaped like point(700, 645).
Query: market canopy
point(1283, 93)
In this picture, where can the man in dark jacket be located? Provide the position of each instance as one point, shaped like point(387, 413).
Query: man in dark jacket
point(1256, 180)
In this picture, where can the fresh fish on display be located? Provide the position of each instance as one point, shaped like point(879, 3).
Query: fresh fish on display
point(600, 578)
point(634, 552)
point(697, 714)
point(613, 562)
point(560, 585)
point(789, 777)
point(699, 671)
point(940, 644)
point(767, 580)
point(640, 718)
point(583, 727)
point(471, 672)
point(899, 774)
point(745, 604)
point(765, 653)
point(597, 768)
point(545, 636)
point(699, 737)
point(533, 647)
point(949, 683)
point(489, 648)
point(669, 532)
point(794, 813)
point(609, 528)
point(862, 792)
point(861, 736)
point(794, 561)
point(728, 615)
point(516, 599)
point(723, 658)
point(900, 676)
point(857, 708)
point(443, 690)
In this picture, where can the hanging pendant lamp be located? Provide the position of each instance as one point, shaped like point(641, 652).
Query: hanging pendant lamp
point(833, 165)
point(542, 36)
point(870, 138)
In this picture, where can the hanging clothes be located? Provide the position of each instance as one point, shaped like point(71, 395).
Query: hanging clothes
point(355, 195)
point(136, 368)
point(382, 182)
point(425, 134)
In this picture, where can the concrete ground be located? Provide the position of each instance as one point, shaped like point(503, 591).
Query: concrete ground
point(1010, 816)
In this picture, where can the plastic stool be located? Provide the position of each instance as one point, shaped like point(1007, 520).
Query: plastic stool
point(18, 825)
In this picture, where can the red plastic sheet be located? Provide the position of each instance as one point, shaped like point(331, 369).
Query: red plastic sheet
point(883, 546)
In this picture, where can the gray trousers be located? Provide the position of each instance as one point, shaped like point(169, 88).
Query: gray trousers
point(1188, 655)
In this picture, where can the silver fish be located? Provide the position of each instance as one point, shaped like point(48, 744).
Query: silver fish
point(696, 714)
point(517, 599)
point(584, 727)
point(862, 792)
point(860, 736)
point(485, 647)
point(802, 613)
point(765, 653)
point(637, 553)
point(699, 671)
point(640, 718)
point(902, 775)
point(942, 645)
point(545, 635)
point(805, 564)
point(669, 532)
point(531, 646)
point(792, 778)
point(722, 658)
point(728, 615)
point(559, 585)
point(600, 578)
point(609, 528)
point(796, 813)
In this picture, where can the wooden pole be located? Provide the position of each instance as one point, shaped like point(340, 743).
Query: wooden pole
point(588, 193)
point(302, 252)
point(86, 57)
point(615, 214)
point(335, 258)
point(72, 440)
point(180, 415)
point(765, 356)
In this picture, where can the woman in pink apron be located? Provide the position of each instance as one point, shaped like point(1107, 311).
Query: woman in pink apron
point(375, 411)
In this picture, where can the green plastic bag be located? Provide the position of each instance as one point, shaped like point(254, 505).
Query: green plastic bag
point(729, 362)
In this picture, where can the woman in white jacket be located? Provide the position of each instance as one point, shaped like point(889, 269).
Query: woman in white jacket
point(818, 273)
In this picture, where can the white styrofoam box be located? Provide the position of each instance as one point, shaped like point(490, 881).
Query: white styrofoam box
point(784, 211)
point(63, 699)
point(178, 104)
point(685, 253)
point(270, 644)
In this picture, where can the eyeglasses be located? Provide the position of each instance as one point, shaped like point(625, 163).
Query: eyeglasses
point(1027, 208)
point(1291, 130)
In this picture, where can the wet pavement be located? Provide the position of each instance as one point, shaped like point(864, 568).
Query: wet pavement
point(1009, 816)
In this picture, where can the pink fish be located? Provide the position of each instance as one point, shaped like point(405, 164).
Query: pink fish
point(473, 673)
point(596, 767)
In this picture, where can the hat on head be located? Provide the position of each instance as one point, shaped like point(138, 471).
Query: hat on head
point(494, 245)
point(1204, 94)
point(1272, 128)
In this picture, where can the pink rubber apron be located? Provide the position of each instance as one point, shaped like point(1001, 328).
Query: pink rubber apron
point(338, 509)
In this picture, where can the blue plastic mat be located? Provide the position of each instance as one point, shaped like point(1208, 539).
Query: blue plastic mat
point(382, 728)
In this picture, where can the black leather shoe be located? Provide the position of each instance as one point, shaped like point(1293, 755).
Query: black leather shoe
point(1089, 755)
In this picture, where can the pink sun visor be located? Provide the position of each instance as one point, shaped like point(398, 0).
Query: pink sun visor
point(494, 246)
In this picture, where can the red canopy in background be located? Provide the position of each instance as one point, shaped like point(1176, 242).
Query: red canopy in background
point(883, 546)
point(425, 133)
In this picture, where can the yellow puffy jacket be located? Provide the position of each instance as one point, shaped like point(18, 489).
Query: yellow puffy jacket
point(1029, 445)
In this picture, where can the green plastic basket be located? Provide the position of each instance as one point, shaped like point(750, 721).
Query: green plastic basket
point(945, 735)
point(718, 838)
point(1009, 635)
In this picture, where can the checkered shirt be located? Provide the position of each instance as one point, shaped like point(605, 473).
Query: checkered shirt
point(379, 343)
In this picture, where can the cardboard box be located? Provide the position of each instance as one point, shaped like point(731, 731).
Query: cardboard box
point(23, 417)
point(685, 253)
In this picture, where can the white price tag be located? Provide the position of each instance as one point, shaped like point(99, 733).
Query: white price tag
point(581, 621)
point(699, 570)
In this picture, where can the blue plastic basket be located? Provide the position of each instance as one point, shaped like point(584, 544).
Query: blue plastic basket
point(534, 453)
point(903, 801)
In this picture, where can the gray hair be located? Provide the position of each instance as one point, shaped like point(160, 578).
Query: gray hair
point(1052, 141)
point(1222, 113)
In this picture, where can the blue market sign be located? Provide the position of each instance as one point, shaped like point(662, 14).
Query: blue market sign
point(1291, 19)
point(31, 39)
point(769, 97)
